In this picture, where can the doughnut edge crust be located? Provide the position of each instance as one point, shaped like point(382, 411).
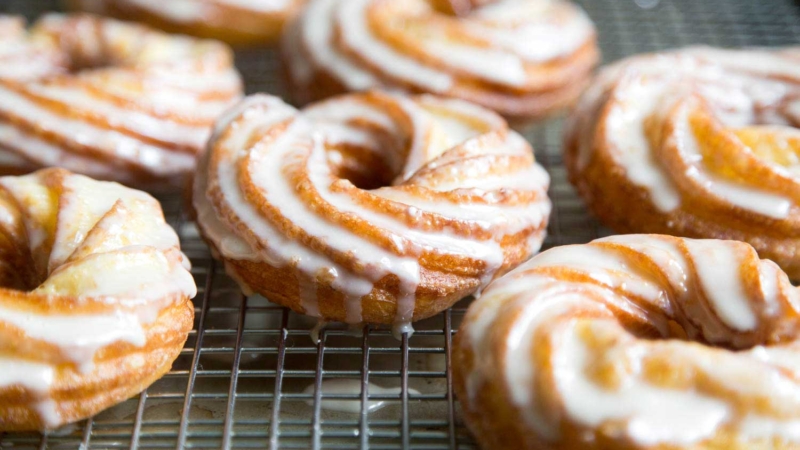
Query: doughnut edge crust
point(308, 239)
point(234, 22)
point(698, 141)
point(95, 304)
point(636, 342)
point(497, 57)
point(109, 99)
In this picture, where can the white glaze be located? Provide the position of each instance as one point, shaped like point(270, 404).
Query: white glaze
point(298, 150)
point(354, 28)
point(751, 198)
point(748, 197)
point(317, 30)
point(139, 122)
point(319, 326)
point(33, 375)
point(114, 266)
point(352, 387)
point(488, 64)
point(757, 428)
point(520, 24)
point(278, 250)
point(268, 176)
point(49, 413)
point(715, 263)
point(401, 327)
point(79, 336)
point(28, 149)
point(112, 142)
point(719, 386)
point(626, 133)
point(742, 88)
point(504, 37)
point(604, 266)
point(520, 373)
point(768, 279)
point(200, 10)
point(653, 415)
point(785, 357)
point(665, 253)
point(162, 106)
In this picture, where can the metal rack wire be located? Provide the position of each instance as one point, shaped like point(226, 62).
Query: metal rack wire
point(250, 377)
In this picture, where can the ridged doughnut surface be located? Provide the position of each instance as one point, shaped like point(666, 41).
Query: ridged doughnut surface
point(94, 304)
point(109, 99)
point(237, 22)
point(699, 142)
point(634, 342)
point(521, 58)
point(369, 207)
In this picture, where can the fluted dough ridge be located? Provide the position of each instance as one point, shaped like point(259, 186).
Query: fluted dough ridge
point(370, 207)
point(635, 342)
point(94, 303)
point(237, 22)
point(698, 142)
point(109, 99)
point(523, 59)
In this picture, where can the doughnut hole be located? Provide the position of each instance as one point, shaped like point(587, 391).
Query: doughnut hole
point(361, 163)
point(375, 153)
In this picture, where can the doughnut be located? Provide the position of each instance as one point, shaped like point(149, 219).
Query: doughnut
point(111, 100)
point(458, 7)
point(523, 59)
point(698, 142)
point(634, 342)
point(94, 303)
point(241, 23)
point(369, 208)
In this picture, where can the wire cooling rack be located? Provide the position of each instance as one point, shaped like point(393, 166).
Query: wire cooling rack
point(250, 376)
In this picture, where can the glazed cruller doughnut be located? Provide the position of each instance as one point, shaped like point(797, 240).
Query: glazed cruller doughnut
point(699, 142)
point(109, 99)
point(94, 304)
point(523, 59)
point(634, 342)
point(370, 207)
point(237, 22)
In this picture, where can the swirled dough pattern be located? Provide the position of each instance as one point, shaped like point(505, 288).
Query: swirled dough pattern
point(700, 142)
point(237, 22)
point(369, 207)
point(112, 100)
point(521, 58)
point(94, 304)
point(634, 342)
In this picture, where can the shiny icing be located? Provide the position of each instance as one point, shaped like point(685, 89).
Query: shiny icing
point(190, 11)
point(582, 303)
point(239, 230)
point(496, 43)
point(741, 88)
point(141, 109)
point(105, 264)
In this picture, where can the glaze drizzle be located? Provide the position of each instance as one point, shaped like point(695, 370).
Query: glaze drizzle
point(643, 340)
point(462, 197)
